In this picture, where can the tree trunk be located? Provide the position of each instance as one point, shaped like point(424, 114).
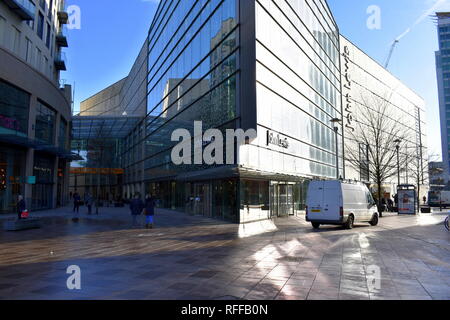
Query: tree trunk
point(380, 209)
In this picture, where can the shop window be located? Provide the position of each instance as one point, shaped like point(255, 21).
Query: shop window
point(45, 123)
point(62, 141)
point(14, 105)
point(12, 164)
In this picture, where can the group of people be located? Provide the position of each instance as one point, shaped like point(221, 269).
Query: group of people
point(137, 207)
point(147, 208)
point(388, 204)
point(88, 201)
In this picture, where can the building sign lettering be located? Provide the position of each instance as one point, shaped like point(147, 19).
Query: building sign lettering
point(9, 123)
point(348, 86)
point(102, 171)
point(277, 140)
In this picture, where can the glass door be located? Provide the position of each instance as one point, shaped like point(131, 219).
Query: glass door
point(273, 200)
point(281, 200)
point(290, 200)
point(202, 203)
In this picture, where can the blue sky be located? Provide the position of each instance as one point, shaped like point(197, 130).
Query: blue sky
point(112, 33)
point(104, 49)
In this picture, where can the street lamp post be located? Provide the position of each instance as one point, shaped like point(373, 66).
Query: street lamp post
point(397, 142)
point(336, 122)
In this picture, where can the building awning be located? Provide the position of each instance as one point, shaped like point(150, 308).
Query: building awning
point(20, 140)
point(99, 127)
point(250, 173)
point(39, 146)
point(228, 172)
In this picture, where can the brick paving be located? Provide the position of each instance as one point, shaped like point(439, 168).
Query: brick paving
point(188, 257)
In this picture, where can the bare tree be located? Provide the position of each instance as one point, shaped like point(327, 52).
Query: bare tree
point(376, 129)
point(418, 168)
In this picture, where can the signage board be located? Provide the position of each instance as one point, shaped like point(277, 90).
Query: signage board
point(277, 140)
point(105, 171)
point(406, 201)
point(31, 180)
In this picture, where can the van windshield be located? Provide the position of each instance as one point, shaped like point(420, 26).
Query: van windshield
point(370, 199)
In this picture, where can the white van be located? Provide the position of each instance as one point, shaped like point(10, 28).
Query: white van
point(340, 203)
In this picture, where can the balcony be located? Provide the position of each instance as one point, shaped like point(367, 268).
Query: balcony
point(60, 61)
point(61, 39)
point(25, 9)
point(63, 16)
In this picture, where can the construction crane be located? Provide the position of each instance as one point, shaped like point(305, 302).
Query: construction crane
point(394, 44)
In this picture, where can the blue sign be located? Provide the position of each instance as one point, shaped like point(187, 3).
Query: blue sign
point(31, 180)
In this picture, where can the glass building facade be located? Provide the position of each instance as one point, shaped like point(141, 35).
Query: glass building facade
point(275, 66)
point(272, 66)
point(192, 75)
point(99, 141)
point(443, 75)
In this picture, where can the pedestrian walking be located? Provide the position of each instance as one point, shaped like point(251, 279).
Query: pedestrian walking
point(150, 204)
point(21, 207)
point(76, 202)
point(136, 207)
point(424, 200)
point(390, 205)
point(89, 201)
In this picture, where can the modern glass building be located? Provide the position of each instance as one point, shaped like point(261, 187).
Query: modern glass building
point(443, 77)
point(35, 107)
point(272, 66)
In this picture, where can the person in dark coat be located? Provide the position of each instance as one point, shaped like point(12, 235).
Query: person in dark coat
point(150, 204)
point(390, 204)
point(76, 202)
point(21, 207)
point(136, 207)
point(89, 201)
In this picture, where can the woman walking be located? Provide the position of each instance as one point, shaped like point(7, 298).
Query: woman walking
point(149, 211)
point(21, 206)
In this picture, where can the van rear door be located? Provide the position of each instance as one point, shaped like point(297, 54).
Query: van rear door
point(324, 201)
point(315, 200)
point(332, 200)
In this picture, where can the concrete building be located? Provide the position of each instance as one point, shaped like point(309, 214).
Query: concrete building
point(367, 87)
point(35, 110)
point(443, 79)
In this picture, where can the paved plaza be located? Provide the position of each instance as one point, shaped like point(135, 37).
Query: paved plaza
point(187, 257)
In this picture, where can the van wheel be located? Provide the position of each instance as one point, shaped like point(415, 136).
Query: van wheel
point(374, 220)
point(316, 225)
point(349, 224)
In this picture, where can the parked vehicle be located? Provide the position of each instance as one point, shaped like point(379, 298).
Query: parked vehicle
point(439, 198)
point(340, 203)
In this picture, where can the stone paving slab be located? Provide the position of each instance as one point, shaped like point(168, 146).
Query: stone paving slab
point(188, 257)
